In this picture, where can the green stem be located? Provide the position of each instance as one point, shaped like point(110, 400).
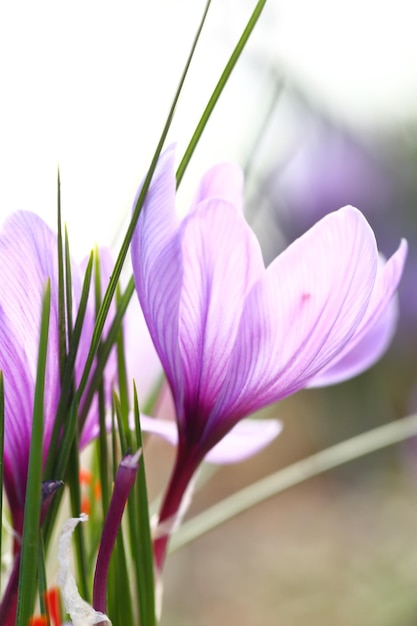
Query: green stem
point(30, 538)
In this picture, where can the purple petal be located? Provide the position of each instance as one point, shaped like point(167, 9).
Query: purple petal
point(221, 262)
point(363, 354)
point(301, 314)
point(28, 257)
point(19, 392)
point(244, 440)
point(375, 331)
point(157, 267)
point(142, 360)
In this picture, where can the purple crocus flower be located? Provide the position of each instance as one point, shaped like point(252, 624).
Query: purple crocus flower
point(28, 258)
point(234, 336)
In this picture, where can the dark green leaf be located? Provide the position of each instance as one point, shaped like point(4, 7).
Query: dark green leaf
point(30, 537)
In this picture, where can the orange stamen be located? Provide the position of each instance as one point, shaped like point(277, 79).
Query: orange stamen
point(85, 477)
point(38, 620)
point(53, 605)
point(97, 491)
point(85, 505)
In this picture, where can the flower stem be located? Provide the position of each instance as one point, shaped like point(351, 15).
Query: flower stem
point(173, 504)
point(124, 482)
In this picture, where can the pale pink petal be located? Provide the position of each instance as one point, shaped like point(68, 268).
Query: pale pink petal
point(167, 429)
point(142, 359)
point(247, 438)
point(301, 314)
point(221, 262)
point(223, 181)
point(244, 440)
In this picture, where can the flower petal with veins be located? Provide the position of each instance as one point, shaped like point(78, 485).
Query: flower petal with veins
point(234, 336)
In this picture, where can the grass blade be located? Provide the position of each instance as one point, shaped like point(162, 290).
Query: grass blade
point(108, 296)
point(219, 88)
point(142, 535)
point(62, 332)
point(30, 537)
point(56, 464)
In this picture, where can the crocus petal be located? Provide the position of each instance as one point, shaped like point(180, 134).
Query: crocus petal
point(157, 266)
point(28, 253)
point(18, 397)
point(247, 438)
point(234, 337)
point(221, 262)
point(362, 354)
point(301, 314)
point(376, 329)
point(223, 181)
point(141, 357)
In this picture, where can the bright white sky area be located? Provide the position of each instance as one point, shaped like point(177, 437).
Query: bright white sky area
point(87, 84)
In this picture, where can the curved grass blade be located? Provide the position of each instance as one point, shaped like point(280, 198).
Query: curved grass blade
point(106, 347)
point(219, 88)
point(66, 442)
point(68, 287)
point(108, 296)
point(62, 332)
point(295, 474)
point(141, 533)
point(79, 536)
point(30, 537)
point(56, 464)
point(122, 379)
point(42, 579)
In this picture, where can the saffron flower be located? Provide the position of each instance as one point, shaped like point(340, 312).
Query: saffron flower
point(234, 336)
point(28, 258)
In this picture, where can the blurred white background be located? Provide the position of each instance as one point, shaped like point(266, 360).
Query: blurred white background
point(88, 85)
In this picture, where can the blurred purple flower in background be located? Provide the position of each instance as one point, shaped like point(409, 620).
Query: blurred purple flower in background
point(329, 170)
point(328, 166)
point(233, 336)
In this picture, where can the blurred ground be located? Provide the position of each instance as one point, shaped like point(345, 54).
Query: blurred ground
point(338, 550)
point(324, 553)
